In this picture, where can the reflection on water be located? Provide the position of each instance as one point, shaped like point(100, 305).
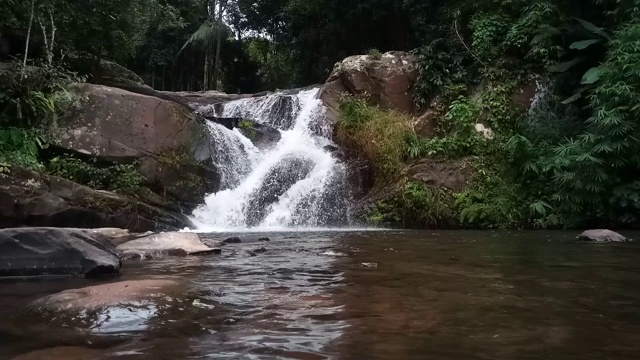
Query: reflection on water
point(366, 295)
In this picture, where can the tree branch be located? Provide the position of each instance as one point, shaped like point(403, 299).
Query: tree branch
point(455, 24)
point(26, 47)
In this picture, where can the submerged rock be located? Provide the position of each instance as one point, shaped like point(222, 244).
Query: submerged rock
point(602, 235)
point(232, 240)
point(62, 352)
point(264, 239)
point(165, 244)
point(94, 297)
point(53, 251)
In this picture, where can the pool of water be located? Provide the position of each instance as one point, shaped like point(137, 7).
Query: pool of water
point(357, 295)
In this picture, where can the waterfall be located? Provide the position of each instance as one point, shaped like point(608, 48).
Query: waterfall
point(295, 183)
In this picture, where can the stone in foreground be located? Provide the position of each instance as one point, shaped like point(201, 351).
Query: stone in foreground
point(99, 296)
point(56, 251)
point(602, 235)
point(62, 352)
point(165, 244)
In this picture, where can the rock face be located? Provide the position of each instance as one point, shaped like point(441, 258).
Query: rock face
point(162, 244)
point(387, 82)
point(167, 140)
point(602, 235)
point(28, 198)
point(455, 176)
point(53, 251)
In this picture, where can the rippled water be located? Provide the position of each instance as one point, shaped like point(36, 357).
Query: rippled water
point(357, 295)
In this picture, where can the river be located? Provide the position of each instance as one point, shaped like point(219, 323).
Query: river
point(358, 295)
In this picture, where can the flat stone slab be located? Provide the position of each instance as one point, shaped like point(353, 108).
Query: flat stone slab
point(166, 244)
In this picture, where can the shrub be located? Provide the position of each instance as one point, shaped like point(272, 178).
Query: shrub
point(120, 178)
point(375, 54)
point(380, 136)
point(20, 147)
point(416, 206)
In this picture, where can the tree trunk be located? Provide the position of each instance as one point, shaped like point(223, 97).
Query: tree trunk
point(216, 68)
point(26, 46)
point(206, 71)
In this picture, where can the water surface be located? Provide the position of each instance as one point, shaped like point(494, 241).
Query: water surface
point(358, 295)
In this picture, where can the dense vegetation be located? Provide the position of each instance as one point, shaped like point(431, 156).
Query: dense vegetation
point(568, 160)
point(572, 161)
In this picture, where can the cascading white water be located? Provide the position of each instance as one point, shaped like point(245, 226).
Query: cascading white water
point(295, 183)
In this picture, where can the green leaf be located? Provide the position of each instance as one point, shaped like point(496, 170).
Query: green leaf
point(581, 45)
point(594, 29)
point(564, 66)
point(571, 99)
point(591, 76)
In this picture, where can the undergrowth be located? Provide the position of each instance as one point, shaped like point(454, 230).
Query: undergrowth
point(121, 178)
point(379, 135)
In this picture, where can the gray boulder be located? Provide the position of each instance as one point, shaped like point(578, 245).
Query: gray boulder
point(165, 244)
point(602, 235)
point(56, 251)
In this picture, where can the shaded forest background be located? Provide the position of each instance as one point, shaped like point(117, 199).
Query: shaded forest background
point(573, 162)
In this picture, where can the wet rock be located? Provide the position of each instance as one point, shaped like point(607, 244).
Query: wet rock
point(62, 352)
point(165, 244)
point(264, 239)
point(94, 297)
point(232, 240)
point(250, 253)
point(260, 250)
point(602, 235)
point(210, 97)
point(280, 178)
point(54, 251)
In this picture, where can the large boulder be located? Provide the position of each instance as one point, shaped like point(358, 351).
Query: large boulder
point(28, 198)
point(602, 236)
point(164, 137)
point(105, 72)
point(54, 251)
point(162, 244)
point(387, 81)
